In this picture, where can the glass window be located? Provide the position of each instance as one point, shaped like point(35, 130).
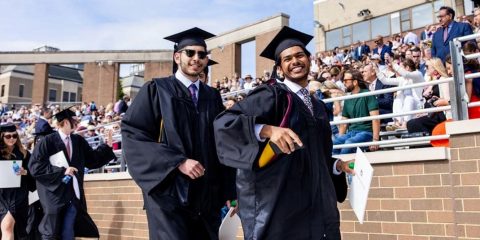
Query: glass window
point(405, 25)
point(422, 15)
point(381, 26)
point(361, 31)
point(52, 95)
point(333, 39)
point(20, 90)
point(73, 97)
point(65, 97)
point(438, 4)
point(468, 6)
point(3, 91)
point(395, 22)
point(405, 14)
point(347, 37)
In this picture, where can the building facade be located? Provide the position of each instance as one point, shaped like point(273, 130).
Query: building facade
point(342, 23)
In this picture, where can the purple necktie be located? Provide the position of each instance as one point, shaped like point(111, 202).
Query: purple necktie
point(193, 92)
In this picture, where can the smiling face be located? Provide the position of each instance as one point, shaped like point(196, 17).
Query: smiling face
point(10, 138)
point(294, 64)
point(191, 66)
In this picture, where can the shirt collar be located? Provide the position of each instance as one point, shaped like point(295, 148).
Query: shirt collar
point(62, 135)
point(185, 81)
point(294, 87)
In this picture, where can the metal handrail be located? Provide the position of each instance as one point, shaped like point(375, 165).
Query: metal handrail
point(391, 115)
point(385, 142)
point(388, 90)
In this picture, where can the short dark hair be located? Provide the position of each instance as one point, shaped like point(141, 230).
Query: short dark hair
point(449, 10)
point(357, 75)
point(410, 63)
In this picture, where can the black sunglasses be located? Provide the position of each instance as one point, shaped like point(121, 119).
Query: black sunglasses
point(190, 53)
point(8, 136)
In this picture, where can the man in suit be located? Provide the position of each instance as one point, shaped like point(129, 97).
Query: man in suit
point(381, 49)
point(63, 201)
point(449, 30)
point(385, 101)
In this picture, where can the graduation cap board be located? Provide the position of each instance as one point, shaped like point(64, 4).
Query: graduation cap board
point(286, 38)
point(210, 63)
point(9, 127)
point(64, 114)
point(191, 37)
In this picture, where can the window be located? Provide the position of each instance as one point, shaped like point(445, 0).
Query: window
point(65, 96)
point(395, 22)
point(380, 26)
point(21, 87)
point(405, 20)
point(73, 97)
point(3, 91)
point(422, 16)
point(333, 39)
point(347, 36)
point(438, 4)
point(52, 95)
point(468, 6)
point(361, 31)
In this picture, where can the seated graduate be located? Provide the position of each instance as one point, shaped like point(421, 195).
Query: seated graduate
point(62, 197)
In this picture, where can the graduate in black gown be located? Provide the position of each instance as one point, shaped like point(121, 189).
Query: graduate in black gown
point(294, 196)
point(65, 209)
point(169, 147)
point(14, 201)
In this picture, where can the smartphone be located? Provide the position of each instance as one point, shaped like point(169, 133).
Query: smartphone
point(277, 150)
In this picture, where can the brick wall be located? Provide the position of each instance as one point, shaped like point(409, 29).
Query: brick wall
point(423, 200)
point(430, 200)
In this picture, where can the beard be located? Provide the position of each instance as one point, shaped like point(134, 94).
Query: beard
point(349, 89)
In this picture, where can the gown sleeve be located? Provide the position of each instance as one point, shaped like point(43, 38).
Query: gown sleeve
point(149, 162)
point(237, 145)
point(40, 168)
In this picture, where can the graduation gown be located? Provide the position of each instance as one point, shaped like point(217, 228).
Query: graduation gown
point(56, 195)
point(153, 157)
point(15, 200)
point(293, 197)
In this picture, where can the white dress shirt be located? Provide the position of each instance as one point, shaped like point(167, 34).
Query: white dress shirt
point(187, 82)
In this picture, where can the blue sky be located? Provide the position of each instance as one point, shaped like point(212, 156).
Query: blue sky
point(139, 24)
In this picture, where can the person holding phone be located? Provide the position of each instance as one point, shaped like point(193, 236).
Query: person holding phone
point(14, 201)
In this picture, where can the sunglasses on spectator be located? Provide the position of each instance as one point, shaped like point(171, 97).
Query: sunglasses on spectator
point(9, 136)
point(190, 53)
point(347, 79)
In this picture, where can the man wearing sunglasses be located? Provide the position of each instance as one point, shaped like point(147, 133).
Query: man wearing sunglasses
point(169, 145)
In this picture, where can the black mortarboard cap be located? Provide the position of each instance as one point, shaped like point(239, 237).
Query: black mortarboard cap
point(286, 38)
point(191, 37)
point(9, 127)
point(64, 114)
point(210, 63)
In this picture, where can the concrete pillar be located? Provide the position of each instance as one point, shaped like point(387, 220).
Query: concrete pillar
point(261, 42)
point(100, 83)
point(229, 59)
point(40, 84)
point(157, 69)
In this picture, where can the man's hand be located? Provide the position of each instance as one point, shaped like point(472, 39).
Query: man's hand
point(373, 147)
point(192, 168)
point(284, 138)
point(71, 171)
point(342, 166)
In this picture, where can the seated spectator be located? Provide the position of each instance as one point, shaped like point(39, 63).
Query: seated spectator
point(356, 108)
point(249, 83)
point(435, 96)
point(230, 102)
point(407, 99)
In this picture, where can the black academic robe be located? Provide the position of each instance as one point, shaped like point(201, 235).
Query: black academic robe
point(56, 195)
point(294, 196)
point(15, 200)
point(170, 197)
